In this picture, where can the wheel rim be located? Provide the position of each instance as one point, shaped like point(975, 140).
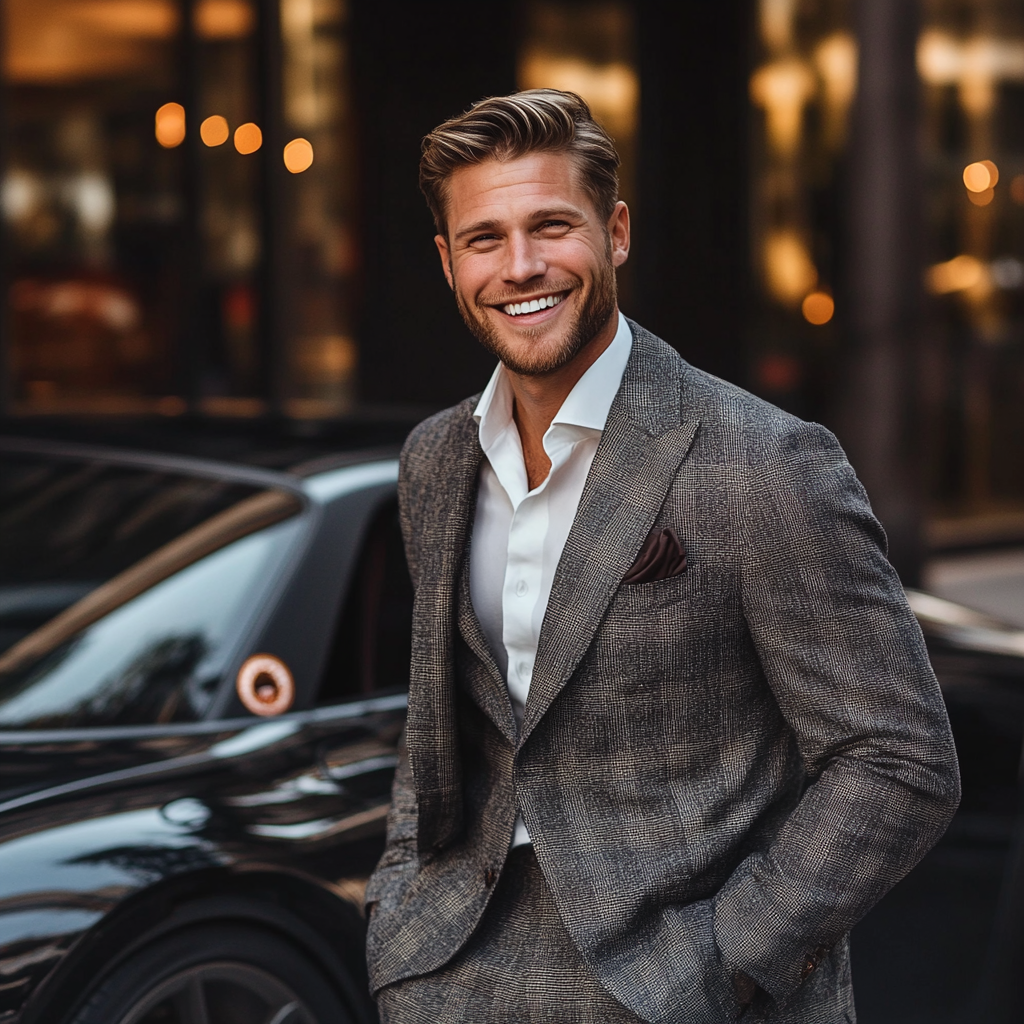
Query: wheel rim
point(220, 993)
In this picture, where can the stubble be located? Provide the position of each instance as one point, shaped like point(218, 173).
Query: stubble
point(594, 312)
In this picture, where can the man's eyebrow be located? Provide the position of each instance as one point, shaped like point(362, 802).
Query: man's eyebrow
point(558, 211)
point(479, 226)
point(483, 226)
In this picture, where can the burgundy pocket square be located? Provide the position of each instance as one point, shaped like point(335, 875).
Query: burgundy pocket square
point(661, 557)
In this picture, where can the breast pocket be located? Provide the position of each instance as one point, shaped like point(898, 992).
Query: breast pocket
point(670, 595)
point(668, 638)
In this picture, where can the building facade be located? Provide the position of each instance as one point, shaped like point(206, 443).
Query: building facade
point(209, 207)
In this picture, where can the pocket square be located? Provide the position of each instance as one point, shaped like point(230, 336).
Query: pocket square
point(661, 557)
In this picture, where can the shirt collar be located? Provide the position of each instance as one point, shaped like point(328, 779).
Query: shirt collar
point(586, 406)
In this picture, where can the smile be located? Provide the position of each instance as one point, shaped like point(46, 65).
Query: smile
point(532, 305)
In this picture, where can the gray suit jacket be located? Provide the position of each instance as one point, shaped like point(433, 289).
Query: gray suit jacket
point(720, 771)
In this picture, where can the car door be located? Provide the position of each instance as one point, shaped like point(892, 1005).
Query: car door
point(326, 815)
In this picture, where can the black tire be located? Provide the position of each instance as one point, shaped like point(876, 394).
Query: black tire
point(215, 974)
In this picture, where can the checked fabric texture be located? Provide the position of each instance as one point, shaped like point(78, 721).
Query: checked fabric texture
point(722, 770)
point(519, 967)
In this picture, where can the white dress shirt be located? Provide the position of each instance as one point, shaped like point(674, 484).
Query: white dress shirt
point(519, 534)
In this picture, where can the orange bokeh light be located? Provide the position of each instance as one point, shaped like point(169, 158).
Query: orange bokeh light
point(981, 176)
point(982, 198)
point(214, 130)
point(818, 308)
point(169, 125)
point(298, 155)
point(248, 138)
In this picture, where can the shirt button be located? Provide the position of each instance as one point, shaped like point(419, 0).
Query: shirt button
point(524, 669)
point(522, 587)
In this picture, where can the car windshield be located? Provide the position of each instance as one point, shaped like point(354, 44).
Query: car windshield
point(120, 588)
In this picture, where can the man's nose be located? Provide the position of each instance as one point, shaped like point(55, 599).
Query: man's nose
point(523, 260)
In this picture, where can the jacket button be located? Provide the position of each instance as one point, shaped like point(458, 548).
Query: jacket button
point(809, 966)
point(490, 876)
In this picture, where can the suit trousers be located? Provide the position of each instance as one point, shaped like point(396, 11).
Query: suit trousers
point(520, 966)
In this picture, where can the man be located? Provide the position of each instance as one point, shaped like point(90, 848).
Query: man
point(672, 727)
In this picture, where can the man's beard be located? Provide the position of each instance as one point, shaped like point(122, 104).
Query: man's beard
point(592, 316)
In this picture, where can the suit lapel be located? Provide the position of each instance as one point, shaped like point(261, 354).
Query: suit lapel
point(489, 690)
point(644, 442)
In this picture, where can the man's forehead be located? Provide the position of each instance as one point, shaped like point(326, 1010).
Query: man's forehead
point(493, 187)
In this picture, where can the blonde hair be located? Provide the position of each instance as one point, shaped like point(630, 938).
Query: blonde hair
point(507, 127)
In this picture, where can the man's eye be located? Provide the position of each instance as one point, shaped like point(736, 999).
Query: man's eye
point(555, 225)
point(482, 238)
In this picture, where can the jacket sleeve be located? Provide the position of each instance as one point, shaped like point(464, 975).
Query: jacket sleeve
point(846, 661)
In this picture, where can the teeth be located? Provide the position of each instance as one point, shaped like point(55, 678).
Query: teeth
point(517, 308)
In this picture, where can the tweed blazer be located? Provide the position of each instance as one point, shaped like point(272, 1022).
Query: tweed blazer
point(721, 771)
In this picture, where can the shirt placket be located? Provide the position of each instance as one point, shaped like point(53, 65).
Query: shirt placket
point(524, 575)
point(521, 591)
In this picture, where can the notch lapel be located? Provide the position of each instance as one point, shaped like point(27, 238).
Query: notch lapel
point(490, 692)
point(643, 445)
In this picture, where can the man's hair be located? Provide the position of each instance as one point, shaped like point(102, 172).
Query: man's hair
point(507, 127)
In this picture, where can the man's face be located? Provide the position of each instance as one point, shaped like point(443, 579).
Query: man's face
point(524, 235)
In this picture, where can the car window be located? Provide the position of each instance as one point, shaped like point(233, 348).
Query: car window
point(132, 617)
point(371, 647)
point(68, 526)
point(158, 657)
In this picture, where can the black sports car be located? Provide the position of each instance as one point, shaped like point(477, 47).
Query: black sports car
point(203, 660)
point(202, 675)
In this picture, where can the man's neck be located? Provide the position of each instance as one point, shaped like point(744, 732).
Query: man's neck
point(538, 399)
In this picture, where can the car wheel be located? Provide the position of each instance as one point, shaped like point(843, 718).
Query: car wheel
point(215, 974)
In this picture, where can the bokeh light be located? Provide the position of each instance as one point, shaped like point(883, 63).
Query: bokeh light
point(818, 308)
point(170, 125)
point(982, 198)
point(955, 275)
point(248, 138)
point(1017, 189)
point(224, 19)
point(981, 176)
point(298, 155)
point(214, 130)
point(789, 270)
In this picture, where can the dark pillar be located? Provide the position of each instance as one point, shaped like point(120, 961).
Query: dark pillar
point(690, 241)
point(882, 294)
point(414, 66)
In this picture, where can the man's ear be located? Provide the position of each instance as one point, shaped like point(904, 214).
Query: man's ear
point(446, 258)
point(618, 233)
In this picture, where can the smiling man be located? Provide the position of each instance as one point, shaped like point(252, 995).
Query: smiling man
point(672, 727)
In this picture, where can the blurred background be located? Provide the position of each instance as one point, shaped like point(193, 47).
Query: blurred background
point(209, 208)
point(209, 213)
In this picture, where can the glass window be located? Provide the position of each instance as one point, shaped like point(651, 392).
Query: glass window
point(801, 92)
point(318, 197)
point(373, 641)
point(139, 573)
point(92, 204)
point(969, 364)
point(970, 57)
point(165, 244)
point(230, 219)
point(157, 658)
point(66, 527)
